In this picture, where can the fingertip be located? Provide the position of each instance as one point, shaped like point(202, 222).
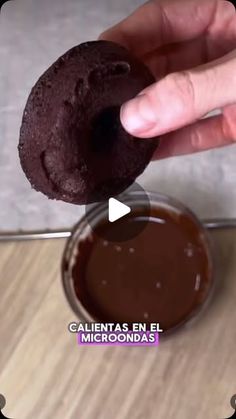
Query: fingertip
point(129, 117)
point(102, 36)
point(106, 36)
point(133, 117)
point(113, 35)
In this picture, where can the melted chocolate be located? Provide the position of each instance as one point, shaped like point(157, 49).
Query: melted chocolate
point(163, 275)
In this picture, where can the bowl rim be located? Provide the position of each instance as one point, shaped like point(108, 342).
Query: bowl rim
point(71, 247)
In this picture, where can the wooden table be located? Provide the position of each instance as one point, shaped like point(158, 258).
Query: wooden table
point(45, 375)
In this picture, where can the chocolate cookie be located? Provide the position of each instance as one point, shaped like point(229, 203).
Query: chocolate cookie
point(72, 144)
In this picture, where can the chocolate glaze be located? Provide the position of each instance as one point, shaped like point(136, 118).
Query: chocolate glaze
point(163, 275)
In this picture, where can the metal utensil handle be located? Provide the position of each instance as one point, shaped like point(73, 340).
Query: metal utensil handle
point(211, 224)
point(219, 223)
point(34, 235)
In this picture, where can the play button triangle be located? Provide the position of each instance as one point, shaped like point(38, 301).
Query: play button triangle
point(117, 210)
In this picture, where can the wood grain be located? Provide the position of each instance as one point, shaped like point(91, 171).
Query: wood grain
point(45, 375)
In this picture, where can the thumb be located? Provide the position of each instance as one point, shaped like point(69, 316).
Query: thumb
point(181, 98)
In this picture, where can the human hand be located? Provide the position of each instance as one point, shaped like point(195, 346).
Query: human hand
point(190, 47)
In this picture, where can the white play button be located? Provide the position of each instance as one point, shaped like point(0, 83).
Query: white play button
point(117, 210)
point(114, 220)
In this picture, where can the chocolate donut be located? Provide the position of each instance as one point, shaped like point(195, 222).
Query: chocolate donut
point(72, 144)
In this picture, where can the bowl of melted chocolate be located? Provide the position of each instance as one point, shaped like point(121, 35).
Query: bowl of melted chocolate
point(159, 273)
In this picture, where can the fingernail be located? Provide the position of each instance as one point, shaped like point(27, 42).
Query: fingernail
point(137, 116)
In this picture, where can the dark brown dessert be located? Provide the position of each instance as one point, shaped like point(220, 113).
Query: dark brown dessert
point(72, 144)
point(163, 275)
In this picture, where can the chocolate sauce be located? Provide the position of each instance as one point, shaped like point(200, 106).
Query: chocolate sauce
point(163, 275)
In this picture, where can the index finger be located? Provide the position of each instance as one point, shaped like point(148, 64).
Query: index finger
point(160, 22)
